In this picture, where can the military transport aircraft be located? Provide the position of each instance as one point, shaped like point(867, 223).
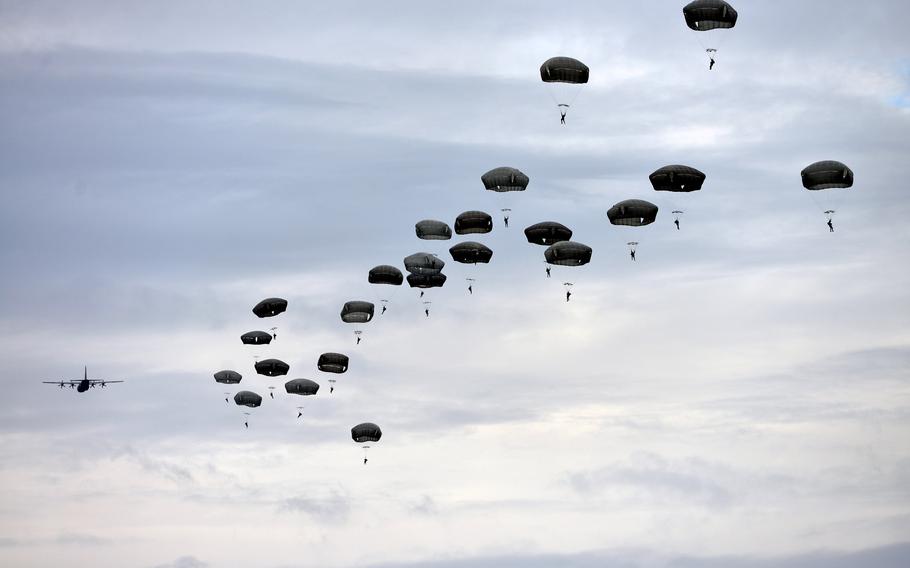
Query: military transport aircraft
point(83, 384)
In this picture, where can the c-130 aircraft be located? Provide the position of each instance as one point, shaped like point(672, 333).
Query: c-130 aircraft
point(83, 384)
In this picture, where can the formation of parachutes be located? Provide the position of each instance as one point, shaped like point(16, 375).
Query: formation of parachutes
point(565, 75)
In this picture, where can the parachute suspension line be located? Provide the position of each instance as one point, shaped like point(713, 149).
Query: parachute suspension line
point(365, 448)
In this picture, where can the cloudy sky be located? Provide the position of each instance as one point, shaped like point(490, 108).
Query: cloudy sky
point(738, 397)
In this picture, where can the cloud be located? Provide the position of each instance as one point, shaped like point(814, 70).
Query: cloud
point(183, 562)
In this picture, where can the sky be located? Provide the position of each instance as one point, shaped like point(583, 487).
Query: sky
point(739, 396)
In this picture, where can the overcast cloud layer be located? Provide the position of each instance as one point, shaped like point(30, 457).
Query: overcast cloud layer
point(738, 397)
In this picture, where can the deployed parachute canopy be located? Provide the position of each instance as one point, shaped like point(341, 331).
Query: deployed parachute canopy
point(366, 432)
point(677, 178)
point(564, 70)
point(270, 307)
point(426, 280)
point(568, 253)
point(470, 252)
point(332, 363)
point(357, 311)
point(705, 15)
point(272, 367)
point(423, 263)
point(505, 179)
point(632, 213)
point(547, 233)
point(303, 387)
point(827, 174)
point(247, 398)
point(256, 338)
point(471, 222)
point(385, 274)
point(228, 377)
point(432, 230)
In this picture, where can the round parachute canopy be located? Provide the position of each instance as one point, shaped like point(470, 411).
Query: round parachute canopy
point(471, 222)
point(332, 363)
point(270, 307)
point(432, 230)
point(366, 432)
point(704, 15)
point(677, 178)
point(256, 338)
point(426, 280)
point(247, 398)
point(423, 263)
point(304, 387)
point(357, 311)
point(228, 377)
point(563, 70)
point(827, 174)
point(568, 253)
point(471, 253)
point(633, 213)
point(505, 179)
point(547, 233)
point(385, 274)
point(272, 367)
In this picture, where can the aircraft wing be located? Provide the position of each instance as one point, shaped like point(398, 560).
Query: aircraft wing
point(99, 381)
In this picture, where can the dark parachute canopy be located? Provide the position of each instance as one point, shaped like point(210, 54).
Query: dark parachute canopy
point(304, 387)
point(547, 233)
point(568, 253)
point(633, 213)
point(256, 338)
point(432, 230)
point(471, 222)
point(677, 178)
point(247, 398)
point(385, 274)
point(470, 252)
point(505, 179)
point(366, 432)
point(332, 363)
point(827, 174)
point(228, 377)
point(272, 367)
point(563, 70)
point(704, 15)
point(270, 307)
point(426, 280)
point(423, 263)
point(357, 311)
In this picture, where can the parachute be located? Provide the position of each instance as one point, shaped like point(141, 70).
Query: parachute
point(568, 253)
point(357, 311)
point(547, 233)
point(471, 222)
point(565, 76)
point(248, 399)
point(385, 274)
point(270, 307)
point(470, 252)
point(272, 367)
point(423, 263)
point(228, 377)
point(363, 433)
point(820, 178)
point(432, 230)
point(632, 213)
point(707, 15)
point(827, 174)
point(677, 178)
point(332, 363)
point(426, 280)
point(256, 338)
point(505, 179)
point(303, 387)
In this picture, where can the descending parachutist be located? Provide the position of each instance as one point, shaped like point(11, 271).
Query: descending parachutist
point(632, 254)
point(383, 310)
point(562, 117)
point(676, 221)
point(830, 226)
point(711, 64)
point(568, 295)
point(548, 272)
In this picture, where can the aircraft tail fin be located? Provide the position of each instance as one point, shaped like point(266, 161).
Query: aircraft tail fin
point(85, 376)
